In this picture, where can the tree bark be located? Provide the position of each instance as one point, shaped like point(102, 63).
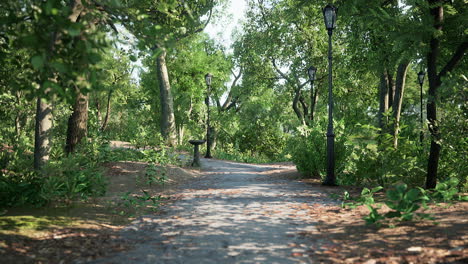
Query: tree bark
point(383, 101)
point(300, 116)
point(398, 99)
point(391, 88)
point(168, 128)
point(313, 103)
point(437, 12)
point(434, 82)
point(77, 123)
point(42, 133)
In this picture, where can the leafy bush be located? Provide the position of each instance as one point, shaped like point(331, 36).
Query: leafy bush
point(236, 155)
point(20, 189)
point(308, 151)
point(70, 179)
point(384, 165)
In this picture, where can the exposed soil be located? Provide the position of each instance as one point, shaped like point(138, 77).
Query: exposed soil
point(228, 213)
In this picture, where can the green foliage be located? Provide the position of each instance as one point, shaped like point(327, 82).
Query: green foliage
point(447, 191)
point(236, 155)
point(308, 151)
point(19, 189)
point(384, 165)
point(155, 174)
point(144, 138)
point(132, 204)
point(366, 198)
point(72, 178)
point(404, 202)
point(374, 216)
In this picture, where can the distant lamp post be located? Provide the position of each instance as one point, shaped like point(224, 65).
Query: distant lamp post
point(208, 78)
point(312, 71)
point(329, 14)
point(421, 75)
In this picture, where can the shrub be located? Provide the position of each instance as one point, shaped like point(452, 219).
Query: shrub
point(308, 151)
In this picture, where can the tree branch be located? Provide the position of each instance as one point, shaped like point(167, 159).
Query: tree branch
point(456, 58)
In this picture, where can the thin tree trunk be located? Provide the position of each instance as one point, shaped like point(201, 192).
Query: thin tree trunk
point(98, 112)
point(42, 133)
point(383, 101)
point(398, 99)
point(168, 129)
point(77, 123)
point(391, 89)
point(18, 116)
point(313, 100)
point(305, 110)
point(297, 94)
point(108, 111)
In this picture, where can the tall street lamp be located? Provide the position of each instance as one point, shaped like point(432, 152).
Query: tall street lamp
point(421, 81)
point(208, 77)
point(312, 71)
point(329, 14)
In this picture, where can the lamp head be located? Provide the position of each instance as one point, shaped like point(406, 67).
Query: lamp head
point(329, 15)
point(312, 71)
point(421, 75)
point(208, 77)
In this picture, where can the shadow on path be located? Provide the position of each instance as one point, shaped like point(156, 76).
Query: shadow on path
point(235, 214)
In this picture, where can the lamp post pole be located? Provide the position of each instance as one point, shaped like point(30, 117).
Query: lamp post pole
point(329, 13)
point(421, 81)
point(208, 77)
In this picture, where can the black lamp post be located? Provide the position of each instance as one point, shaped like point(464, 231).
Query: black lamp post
point(421, 81)
point(311, 71)
point(208, 77)
point(329, 14)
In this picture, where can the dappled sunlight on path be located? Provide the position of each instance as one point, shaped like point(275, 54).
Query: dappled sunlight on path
point(237, 213)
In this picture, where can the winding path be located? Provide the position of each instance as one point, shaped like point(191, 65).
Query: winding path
point(236, 213)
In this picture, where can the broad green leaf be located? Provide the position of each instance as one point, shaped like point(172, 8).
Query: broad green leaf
point(37, 62)
point(393, 214)
point(412, 195)
point(394, 195)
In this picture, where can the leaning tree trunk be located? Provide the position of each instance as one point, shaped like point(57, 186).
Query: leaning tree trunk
point(168, 128)
point(108, 110)
point(77, 123)
point(398, 100)
point(42, 133)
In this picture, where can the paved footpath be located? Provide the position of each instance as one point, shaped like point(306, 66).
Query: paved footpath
point(236, 213)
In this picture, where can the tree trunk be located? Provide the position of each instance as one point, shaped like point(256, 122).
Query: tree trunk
point(98, 112)
point(437, 12)
point(434, 83)
point(108, 110)
point(42, 133)
point(297, 94)
point(77, 123)
point(383, 101)
point(391, 88)
point(168, 129)
point(398, 99)
point(313, 103)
